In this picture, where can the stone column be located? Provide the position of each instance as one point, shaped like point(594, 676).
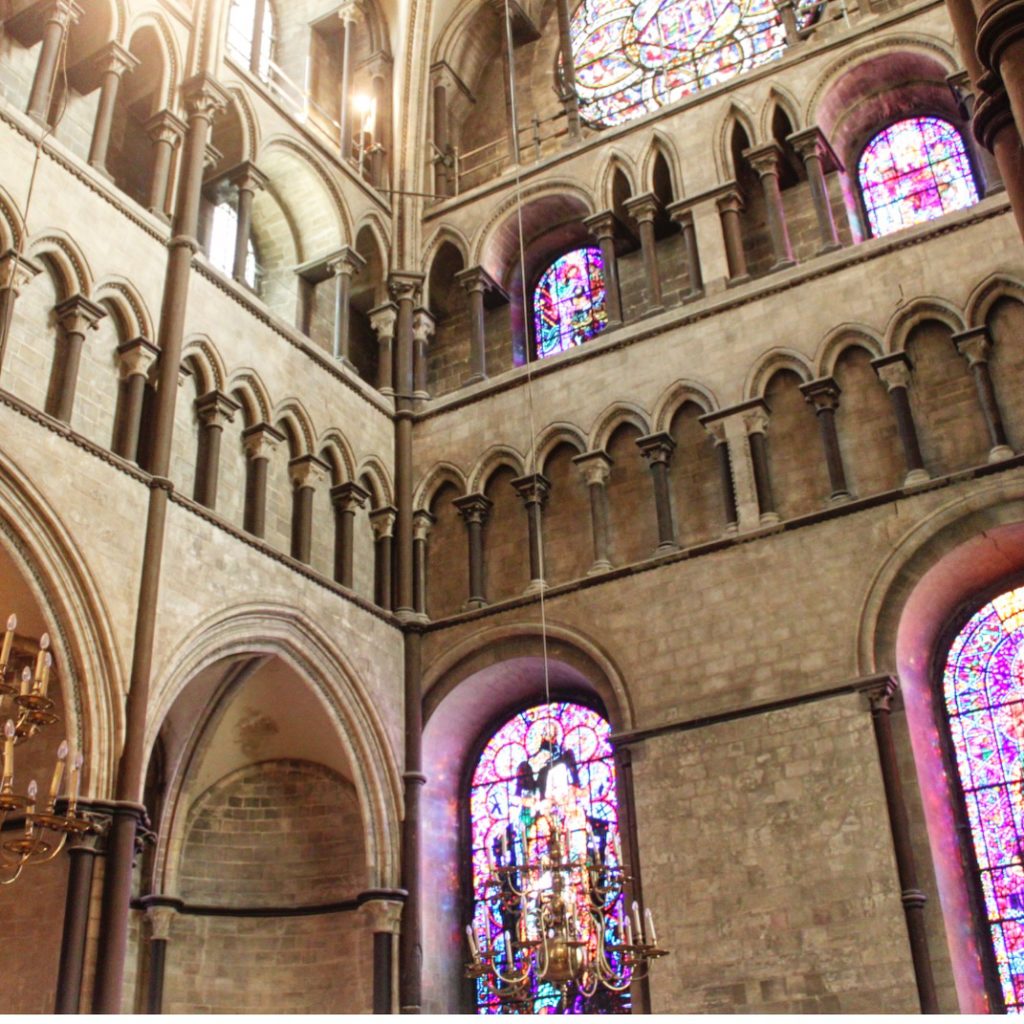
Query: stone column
point(442, 143)
point(657, 449)
point(82, 853)
point(643, 209)
point(382, 521)
point(727, 484)
point(569, 97)
point(422, 523)
point(682, 213)
point(730, 203)
point(756, 421)
point(256, 54)
point(75, 316)
point(166, 133)
point(788, 15)
point(823, 395)
point(975, 345)
point(963, 89)
point(215, 410)
point(306, 472)
point(422, 332)
point(1000, 47)
point(405, 289)
point(534, 490)
point(595, 468)
point(348, 13)
point(347, 499)
point(383, 921)
point(135, 359)
point(158, 921)
point(603, 226)
point(383, 319)
point(733, 429)
point(15, 272)
point(475, 510)
point(477, 283)
point(248, 180)
point(894, 372)
point(112, 63)
point(343, 266)
point(818, 157)
point(382, 144)
point(259, 442)
point(61, 15)
point(765, 160)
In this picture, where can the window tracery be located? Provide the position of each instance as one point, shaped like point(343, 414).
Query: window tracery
point(569, 302)
point(251, 35)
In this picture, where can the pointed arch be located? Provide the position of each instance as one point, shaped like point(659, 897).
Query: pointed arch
point(662, 145)
point(441, 474)
point(441, 234)
point(616, 160)
point(737, 115)
point(779, 98)
point(491, 461)
point(62, 253)
point(675, 396)
point(610, 420)
point(248, 121)
point(904, 320)
point(988, 293)
point(373, 224)
point(769, 364)
point(172, 57)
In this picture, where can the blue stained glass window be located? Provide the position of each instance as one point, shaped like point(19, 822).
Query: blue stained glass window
point(983, 687)
point(913, 171)
point(569, 304)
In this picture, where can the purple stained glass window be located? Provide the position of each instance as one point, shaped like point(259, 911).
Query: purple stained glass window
point(913, 171)
point(984, 696)
point(549, 762)
point(569, 302)
point(633, 56)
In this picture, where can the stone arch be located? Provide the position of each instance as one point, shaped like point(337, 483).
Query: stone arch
point(675, 396)
point(337, 452)
point(12, 227)
point(839, 339)
point(662, 145)
point(375, 472)
point(130, 308)
point(297, 425)
point(612, 418)
point(202, 354)
point(172, 64)
point(769, 364)
point(372, 224)
point(905, 320)
point(618, 161)
point(73, 274)
point(558, 434)
point(441, 474)
point(491, 461)
point(988, 293)
point(246, 385)
point(737, 115)
point(442, 234)
point(779, 98)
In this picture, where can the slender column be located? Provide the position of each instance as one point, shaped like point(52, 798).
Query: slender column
point(135, 361)
point(569, 96)
point(595, 468)
point(75, 316)
point(82, 853)
point(475, 510)
point(975, 345)
point(382, 522)
point(380, 85)
point(730, 203)
point(60, 17)
point(347, 499)
point(818, 156)
point(343, 266)
point(643, 209)
point(422, 523)
point(15, 272)
point(383, 922)
point(765, 161)
point(657, 449)
point(248, 180)
point(727, 484)
point(682, 213)
point(112, 64)
point(964, 91)
point(603, 226)
point(158, 921)
point(422, 332)
point(534, 490)
point(348, 13)
point(823, 395)
point(442, 143)
point(756, 421)
point(215, 410)
point(894, 372)
point(166, 133)
point(477, 284)
point(738, 433)
point(256, 54)
point(259, 442)
point(383, 320)
point(306, 472)
point(511, 121)
point(787, 13)
point(913, 899)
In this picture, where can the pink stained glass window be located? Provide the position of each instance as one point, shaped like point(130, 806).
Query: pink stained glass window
point(631, 57)
point(913, 171)
point(569, 302)
point(983, 687)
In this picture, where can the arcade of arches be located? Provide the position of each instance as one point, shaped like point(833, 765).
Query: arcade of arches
point(372, 373)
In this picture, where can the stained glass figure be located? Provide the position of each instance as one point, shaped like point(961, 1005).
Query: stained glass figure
point(913, 171)
point(633, 56)
point(984, 698)
point(569, 302)
point(549, 766)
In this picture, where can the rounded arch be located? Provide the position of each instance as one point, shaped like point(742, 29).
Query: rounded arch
point(12, 227)
point(164, 36)
point(291, 415)
point(128, 305)
point(247, 385)
point(769, 364)
point(676, 395)
point(444, 233)
point(988, 293)
point(555, 435)
point(337, 453)
point(441, 474)
point(491, 461)
point(201, 352)
point(904, 320)
point(375, 472)
point(841, 338)
point(612, 418)
point(63, 255)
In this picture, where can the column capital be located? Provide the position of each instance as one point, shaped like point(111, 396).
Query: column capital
point(159, 919)
point(974, 344)
point(422, 325)
point(476, 279)
point(164, 126)
point(643, 208)
point(765, 159)
point(215, 409)
point(657, 447)
point(405, 285)
point(811, 142)
point(894, 370)
point(307, 471)
point(65, 12)
point(383, 916)
point(533, 488)
point(422, 523)
point(752, 415)
point(348, 497)
point(603, 225)
point(115, 58)
point(260, 440)
point(136, 357)
point(728, 198)
point(247, 177)
point(681, 211)
point(345, 262)
point(881, 695)
point(822, 393)
point(16, 270)
point(78, 314)
point(211, 156)
point(594, 466)
point(383, 319)
point(474, 508)
point(349, 12)
point(382, 521)
point(203, 95)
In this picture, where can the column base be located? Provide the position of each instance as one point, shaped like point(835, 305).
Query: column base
point(101, 170)
point(653, 310)
point(840, 498)
point(535, 587)
point(781, 265)
point(1000, 453)
point(731, 529)
point(734, 282)
point(474, 604)
point(160, 214)
point(599, 567)
point(917, 477)
point(421, 396)
point(387, 392)
point(473, 378)
point(829, 247)
point(693, 295)
point(667, 548)
point(770, 519)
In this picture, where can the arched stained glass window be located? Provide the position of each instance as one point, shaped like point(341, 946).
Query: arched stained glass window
point(633, 56)
point(551, 761)
point(984, 699)
point(223, 233)
point(913, 171)
point(569, 302)
point(251, 35)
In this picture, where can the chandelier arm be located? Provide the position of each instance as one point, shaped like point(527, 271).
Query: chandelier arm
point(14, 877)
point(54, 853)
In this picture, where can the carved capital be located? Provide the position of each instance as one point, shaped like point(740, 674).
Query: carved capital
point(603, 225)
point(594, 467)
point(756, 415)
point(212, 156)
point(422, 523)
point(382, 521)
point(880, 697)
point(345, 262)
point(247, 177)
point(383, 915)
point(404, 286)
point(79, 314)
point(476, 279)
point(136, 358)
point(643, 209)
point(349, 12)
point(65, 12)
point(822, 393)
point(16, 271)
point(165, 127)
point(422, 326)
point(260, 440)
point(811, 143)
point(203, 96)
point(349, 497)
point(215, 409)
point(728, 199)
point(115, 58)
point(307, 471)
point(382, 321)
point(681, 212)
point(894, 370)
point(474, 508)
point(159, 921)
point(764, 159)
point(657, 448)
point(533, 488)
point(975, 345)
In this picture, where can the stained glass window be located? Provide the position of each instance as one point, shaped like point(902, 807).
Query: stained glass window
point(244, 17)
point(984, 697)
point(550, 761)
point(913, 171)
point(633, 56)
point(569, 302)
